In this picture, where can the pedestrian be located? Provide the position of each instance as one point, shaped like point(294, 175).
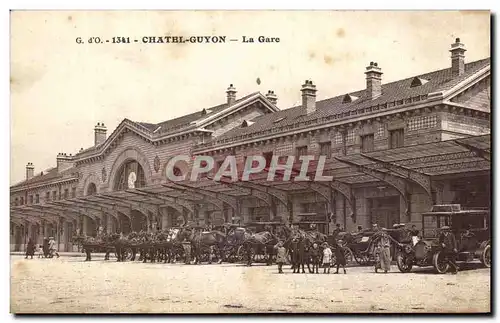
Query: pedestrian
point(52, 247)
point(449, 244)
point(187, 252)
point(281, 256)
point(45, 247)
point(30, 249)
point(383, 251)
point(315, 257)
point(340, 256)
point(40, 251)
point(211, 254)
point(327, 258)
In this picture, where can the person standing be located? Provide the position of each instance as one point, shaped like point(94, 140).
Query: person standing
point(315, 257)
point(52, 247)
point(327, 258)
point(30, 249)
point(339, 256)
point(45, 247)
point(383, 251)
point(449, 244)
point(281, 256)
point(187, 252)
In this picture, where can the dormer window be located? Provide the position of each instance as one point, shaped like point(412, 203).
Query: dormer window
point(417, 81)
point(246, 123)
point(203, 112)
point(349, 98)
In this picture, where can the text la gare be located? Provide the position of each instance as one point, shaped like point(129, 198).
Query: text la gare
point(261, 39)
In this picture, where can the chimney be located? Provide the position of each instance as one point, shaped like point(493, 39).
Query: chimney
point(231, 95)
point(457, 57)
point(308, 97)
point(30, 170)
point(99, 134)
point(373, 81)
point(272, 97)
point(64, 162)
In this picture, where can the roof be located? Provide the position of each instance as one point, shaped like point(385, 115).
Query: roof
point(171, 126)
point(48, 175)
point(436, 81)
point(186, 121)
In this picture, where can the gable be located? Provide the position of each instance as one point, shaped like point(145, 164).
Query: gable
point(476, 96)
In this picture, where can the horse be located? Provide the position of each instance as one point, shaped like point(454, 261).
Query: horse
point(201, 240)
point(262, 240)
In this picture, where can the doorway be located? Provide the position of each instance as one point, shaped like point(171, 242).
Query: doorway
point(384, 211)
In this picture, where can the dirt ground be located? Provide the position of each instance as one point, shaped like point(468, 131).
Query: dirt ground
point(70, 285)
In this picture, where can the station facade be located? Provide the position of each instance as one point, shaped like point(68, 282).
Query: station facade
point(393, 150)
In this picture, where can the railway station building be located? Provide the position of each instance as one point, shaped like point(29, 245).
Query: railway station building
point(393, 150)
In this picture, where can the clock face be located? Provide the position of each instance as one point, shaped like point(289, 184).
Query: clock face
point(131, 180)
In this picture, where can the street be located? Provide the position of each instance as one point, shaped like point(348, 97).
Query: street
point(70, 285)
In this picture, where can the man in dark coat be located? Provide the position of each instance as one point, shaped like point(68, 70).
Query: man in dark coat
point(316, 254)
point(45, 247)
point(339, 255)
point(449, 244)
point(30, 249)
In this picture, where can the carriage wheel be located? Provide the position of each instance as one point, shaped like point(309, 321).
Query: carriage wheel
point(362, 259)
point(440, 263)
point(349, 256)
point(128, 253)
point(404, 262)
point(486, 256)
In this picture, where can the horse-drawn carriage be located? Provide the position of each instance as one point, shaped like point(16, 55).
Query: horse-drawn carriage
point(359, 247)
point(471, 228)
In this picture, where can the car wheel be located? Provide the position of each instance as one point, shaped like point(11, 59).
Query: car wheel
point(486, 256)
point(439, 262)
point(404, 262)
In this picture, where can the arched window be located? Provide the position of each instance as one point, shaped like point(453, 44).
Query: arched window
point(92, 189)
point(129, 176)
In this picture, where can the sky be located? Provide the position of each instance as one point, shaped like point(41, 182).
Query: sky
point(60, 89)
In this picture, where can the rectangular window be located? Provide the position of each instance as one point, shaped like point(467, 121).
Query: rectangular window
point(325, 149)
point(301, 151)
point(22, 200)
point(344, 143)
point(66, 193)
point(339, 138)
point(47, 196)
point(367, 143)
point(423, 122)
point(396, 138)
point(350, 135)
point(37, 199)
point(73, 192)
point(54, 195)
point(15, 201)
point(31, 199)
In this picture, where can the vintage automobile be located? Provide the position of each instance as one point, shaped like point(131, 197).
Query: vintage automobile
point(471, 228)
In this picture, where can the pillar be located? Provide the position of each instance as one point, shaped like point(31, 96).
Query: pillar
point(84, 226)
point(109, 223)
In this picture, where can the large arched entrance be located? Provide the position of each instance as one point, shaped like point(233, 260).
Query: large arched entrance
point(129, 176)
point(89, 225)
point(139, 221)
point(124, 224)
